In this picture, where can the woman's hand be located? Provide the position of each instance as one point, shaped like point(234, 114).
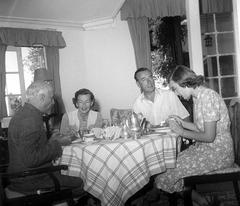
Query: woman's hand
point(176, 118)
point(176, 127)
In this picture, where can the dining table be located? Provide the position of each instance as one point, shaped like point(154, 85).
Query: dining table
point(114, 170)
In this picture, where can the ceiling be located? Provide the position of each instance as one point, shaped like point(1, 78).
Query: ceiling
point(72, 13)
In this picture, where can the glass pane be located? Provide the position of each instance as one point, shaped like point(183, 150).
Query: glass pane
point(208, 50)
point(206, 22)
point(226, 65)
point(33, 58)
point(210, 67)
point(225, 43)
point(13, 104)
point(224, 22)
point(11, 61)
point(229, 87)
point(213, 84)
point(12, 84)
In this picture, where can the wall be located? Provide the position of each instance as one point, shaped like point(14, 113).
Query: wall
point(103, 61)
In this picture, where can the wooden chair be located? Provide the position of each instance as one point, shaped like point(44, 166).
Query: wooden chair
point(225, 175)
point(49, 197)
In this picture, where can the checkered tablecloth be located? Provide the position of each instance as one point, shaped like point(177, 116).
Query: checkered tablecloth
point(113, 171)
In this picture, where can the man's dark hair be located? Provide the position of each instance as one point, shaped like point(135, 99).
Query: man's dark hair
point(142, 69)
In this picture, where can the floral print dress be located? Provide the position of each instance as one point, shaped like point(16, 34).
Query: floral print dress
point(202, 157)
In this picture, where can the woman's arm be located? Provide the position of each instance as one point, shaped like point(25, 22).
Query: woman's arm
point(64, 129)
point(208, 135)
point(190, 126)
point(185, 124)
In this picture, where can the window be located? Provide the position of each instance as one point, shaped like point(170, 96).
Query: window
point(21, 62)
point(219, 54)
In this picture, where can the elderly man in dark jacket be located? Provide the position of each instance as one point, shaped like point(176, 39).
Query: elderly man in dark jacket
point(29, 147)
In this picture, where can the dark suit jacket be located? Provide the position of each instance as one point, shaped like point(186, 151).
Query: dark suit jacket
point(29, 148)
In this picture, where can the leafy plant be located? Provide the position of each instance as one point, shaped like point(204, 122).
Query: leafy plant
point(35, 58)
point(162, 36)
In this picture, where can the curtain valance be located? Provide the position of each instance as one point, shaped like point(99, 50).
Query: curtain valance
point(30, 37)
point(215, 6)
point(152, 8)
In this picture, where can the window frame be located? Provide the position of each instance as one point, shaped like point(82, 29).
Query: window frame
point(20, 72)
point(215, 33)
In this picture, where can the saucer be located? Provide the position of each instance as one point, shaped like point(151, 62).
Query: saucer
point(89, 137)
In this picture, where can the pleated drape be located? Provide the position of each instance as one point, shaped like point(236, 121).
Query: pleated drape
point(3, 107)
point(141, 41)
point(136, 13)
point(52, 54)
point(29, 37)
point(152, 8)
point(234, 113)
point(215, 6)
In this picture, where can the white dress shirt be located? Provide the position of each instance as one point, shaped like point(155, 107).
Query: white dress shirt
point(165, 103)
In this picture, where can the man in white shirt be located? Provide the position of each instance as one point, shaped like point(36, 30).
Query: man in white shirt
point(156, 104)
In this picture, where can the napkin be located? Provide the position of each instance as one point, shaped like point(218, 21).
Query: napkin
point(112, 133)
point(98, 132)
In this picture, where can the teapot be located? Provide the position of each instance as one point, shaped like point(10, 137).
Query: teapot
point(133, 122)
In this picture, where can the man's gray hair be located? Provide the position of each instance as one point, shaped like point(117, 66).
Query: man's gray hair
point(38, 87)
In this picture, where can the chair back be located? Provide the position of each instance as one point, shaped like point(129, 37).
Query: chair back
point(53, 196)
point(118, 115)
point(234, 113)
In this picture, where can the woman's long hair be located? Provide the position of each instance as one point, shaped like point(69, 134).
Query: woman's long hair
point(185, 77)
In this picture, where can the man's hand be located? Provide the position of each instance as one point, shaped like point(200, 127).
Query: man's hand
point(55, 135)
point(63, 139)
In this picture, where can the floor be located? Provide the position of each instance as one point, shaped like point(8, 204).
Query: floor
point(222, 192)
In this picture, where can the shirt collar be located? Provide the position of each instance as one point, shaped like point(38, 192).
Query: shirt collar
point(32, 108)
point(142, 97)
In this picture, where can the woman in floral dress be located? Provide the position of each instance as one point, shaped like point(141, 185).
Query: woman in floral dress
point(213, 149)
